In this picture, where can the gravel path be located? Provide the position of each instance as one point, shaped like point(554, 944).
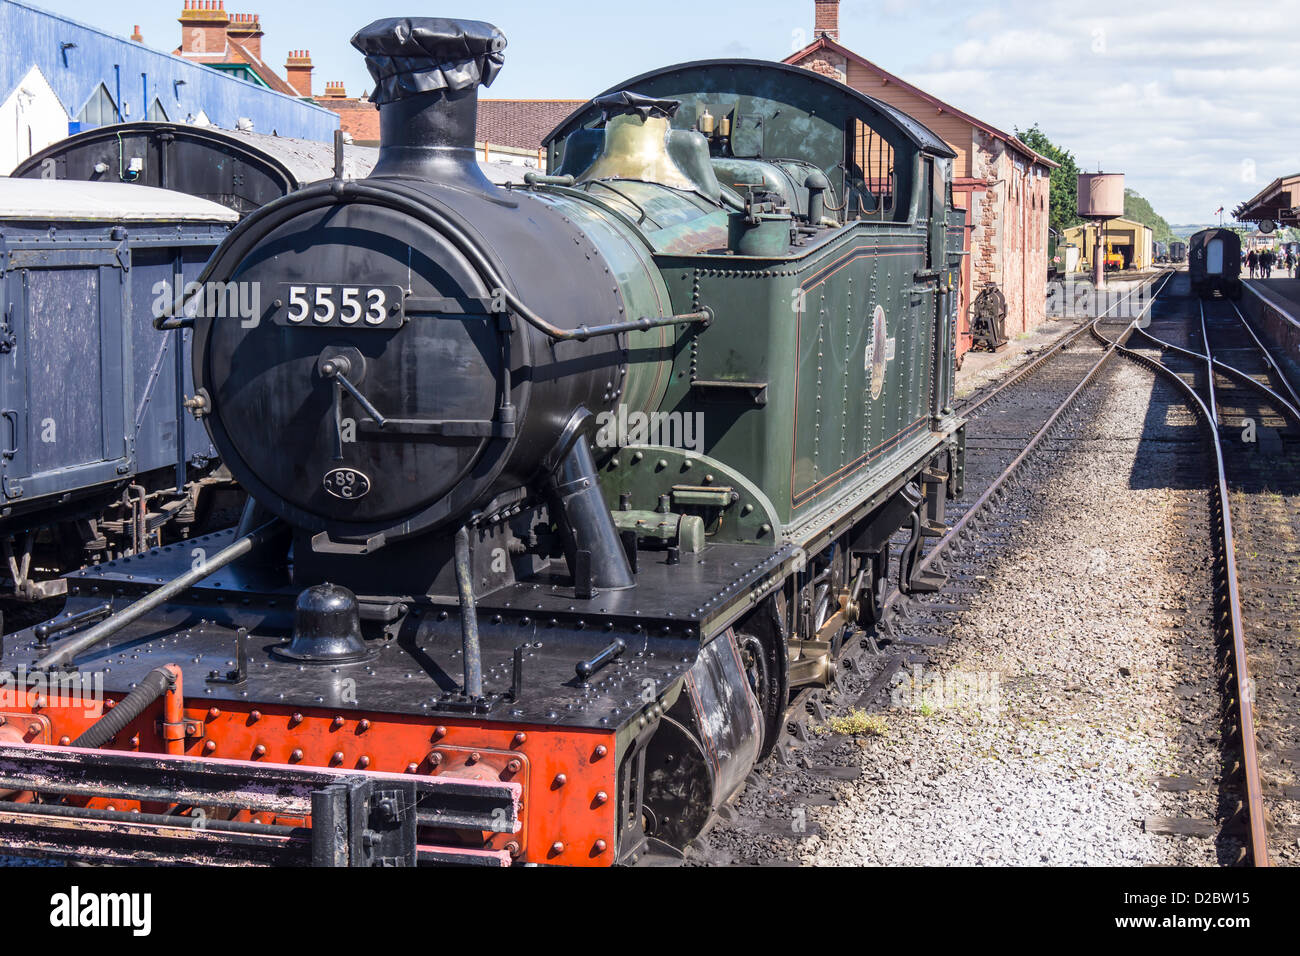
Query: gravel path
point(1045, 731)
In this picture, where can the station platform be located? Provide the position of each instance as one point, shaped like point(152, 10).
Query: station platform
point(1273, 306)
point(1281, 293)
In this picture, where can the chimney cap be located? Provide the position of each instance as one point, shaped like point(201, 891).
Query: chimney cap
point(626, 102)
point(411, 55)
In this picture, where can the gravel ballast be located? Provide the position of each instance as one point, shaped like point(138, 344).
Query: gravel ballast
point(1071, 716)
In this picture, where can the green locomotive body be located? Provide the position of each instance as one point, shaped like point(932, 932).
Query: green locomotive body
point(827, 368)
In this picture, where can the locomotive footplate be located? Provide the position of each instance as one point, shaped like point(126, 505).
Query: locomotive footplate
point(574, 693)
point(533, 637)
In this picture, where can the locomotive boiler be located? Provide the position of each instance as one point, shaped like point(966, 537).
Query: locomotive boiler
point(559, 491)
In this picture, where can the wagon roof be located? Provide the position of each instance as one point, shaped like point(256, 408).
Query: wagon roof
point(103, 202)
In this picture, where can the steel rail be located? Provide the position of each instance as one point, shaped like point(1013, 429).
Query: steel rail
point(1268, 357)
point(1228, 371)
point(1208, 413)
point(943, 544)
point(1059, 345)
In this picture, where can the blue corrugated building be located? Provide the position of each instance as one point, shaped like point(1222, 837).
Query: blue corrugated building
point(98, 78)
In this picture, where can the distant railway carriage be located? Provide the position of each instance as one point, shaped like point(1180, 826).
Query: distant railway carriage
point(1177, 251)
point(1214, 263)
point(99, 457)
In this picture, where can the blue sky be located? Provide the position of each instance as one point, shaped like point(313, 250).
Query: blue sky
point(1194, 101)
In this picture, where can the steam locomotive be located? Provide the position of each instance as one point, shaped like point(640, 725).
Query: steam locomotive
point(559, 492)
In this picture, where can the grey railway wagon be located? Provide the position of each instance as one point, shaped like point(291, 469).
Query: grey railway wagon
point(90, 393)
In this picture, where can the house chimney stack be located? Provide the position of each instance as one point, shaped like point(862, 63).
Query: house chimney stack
point(203, 27)
point(246, 29)
point(137, 36)
point(826, 18)
point(297, 70)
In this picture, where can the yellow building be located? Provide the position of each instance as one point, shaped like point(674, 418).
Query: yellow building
point(1130, 239)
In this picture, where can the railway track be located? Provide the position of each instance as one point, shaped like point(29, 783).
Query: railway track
point(1007, 424)
point(1011, 417)
point(1253, 420)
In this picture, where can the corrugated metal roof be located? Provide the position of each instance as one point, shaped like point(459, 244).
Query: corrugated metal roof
point(103, 202)
point(310, 161)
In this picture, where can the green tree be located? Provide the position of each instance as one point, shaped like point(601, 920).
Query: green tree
point(1139, 210)
point(1063, 206)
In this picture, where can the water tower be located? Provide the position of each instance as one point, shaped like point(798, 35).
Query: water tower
point(1101, 197)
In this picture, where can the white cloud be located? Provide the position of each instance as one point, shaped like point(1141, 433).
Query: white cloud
point(1182, 98)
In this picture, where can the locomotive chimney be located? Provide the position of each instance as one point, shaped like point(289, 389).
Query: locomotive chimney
point(427, 72)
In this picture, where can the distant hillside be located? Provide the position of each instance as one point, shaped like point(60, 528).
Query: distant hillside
point(1139, 210)
point(1182, 231)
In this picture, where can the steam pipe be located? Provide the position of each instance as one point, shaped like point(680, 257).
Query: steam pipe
point(468, 616)
point(585, 520)
point(159, 596)
point(155, 684)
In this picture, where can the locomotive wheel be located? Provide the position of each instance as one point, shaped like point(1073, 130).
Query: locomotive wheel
point(760, 664)
point(872, 600)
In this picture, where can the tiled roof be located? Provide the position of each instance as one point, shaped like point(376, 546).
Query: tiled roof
point(522, 124)
point(268, 76)
point(236, 52)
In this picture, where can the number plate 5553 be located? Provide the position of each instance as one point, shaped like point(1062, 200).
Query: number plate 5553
point(339, 306)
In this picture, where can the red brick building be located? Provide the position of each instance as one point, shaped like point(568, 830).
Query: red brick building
point(519, 125)
point(358, 117)
point(232, 42)
point(508, 130)
point(1001, 183)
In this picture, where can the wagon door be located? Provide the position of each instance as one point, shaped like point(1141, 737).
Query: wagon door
point(64, 379)
point(1214, 257)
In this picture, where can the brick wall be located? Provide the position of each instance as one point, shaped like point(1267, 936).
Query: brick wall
point(356, 116)
point(203, 26)
point(298, 70)
point(826, 18)
point(246, 28)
